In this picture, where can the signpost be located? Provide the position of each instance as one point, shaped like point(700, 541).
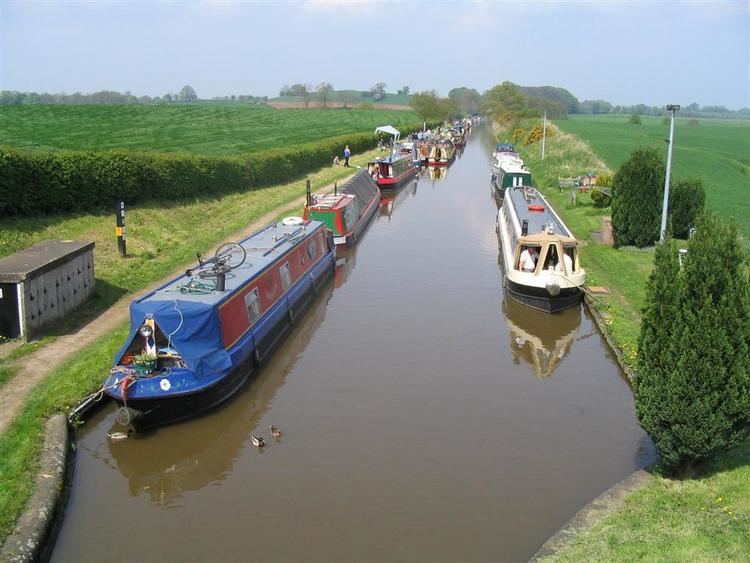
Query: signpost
point(120, 228)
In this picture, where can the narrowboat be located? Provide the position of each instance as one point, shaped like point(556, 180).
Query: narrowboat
point(392, 170)
point(348, 211)
point(541, 264)
point(195, 340)
point(458, 136)
point(510, 174)
point(442, 153)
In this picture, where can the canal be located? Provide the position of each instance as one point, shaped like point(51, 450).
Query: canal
point(423, 417)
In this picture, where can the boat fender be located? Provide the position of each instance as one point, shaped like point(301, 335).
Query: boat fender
point(536, 208)
point(125, 416)
point(553, 289)
point(292, 221)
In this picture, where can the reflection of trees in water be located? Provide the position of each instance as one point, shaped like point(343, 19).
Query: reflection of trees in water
point(193, 454)
point(538, 338)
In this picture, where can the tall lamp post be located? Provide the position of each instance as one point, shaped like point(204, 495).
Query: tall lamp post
point(673, 108)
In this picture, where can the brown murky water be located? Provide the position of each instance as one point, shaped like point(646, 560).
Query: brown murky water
point(423, 418)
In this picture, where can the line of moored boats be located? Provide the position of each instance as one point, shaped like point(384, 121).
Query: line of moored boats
point(195, 340)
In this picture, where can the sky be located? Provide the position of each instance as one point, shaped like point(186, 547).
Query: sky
point(626, 52)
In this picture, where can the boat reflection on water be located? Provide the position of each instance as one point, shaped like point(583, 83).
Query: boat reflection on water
point(391, 199)
point(345, 262)
point(188, 456)
point(437, 173)
point(539, 339)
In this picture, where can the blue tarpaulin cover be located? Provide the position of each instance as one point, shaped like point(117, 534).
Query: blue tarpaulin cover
point(195, 332)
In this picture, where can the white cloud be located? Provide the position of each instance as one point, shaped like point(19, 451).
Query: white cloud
point(341, 6)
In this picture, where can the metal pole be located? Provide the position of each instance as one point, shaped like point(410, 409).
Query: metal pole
point(544, 133)
point(665, 204)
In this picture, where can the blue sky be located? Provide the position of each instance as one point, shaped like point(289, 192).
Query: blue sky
point(652, 52)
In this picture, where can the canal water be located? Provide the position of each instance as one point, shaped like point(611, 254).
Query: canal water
point(424, 418)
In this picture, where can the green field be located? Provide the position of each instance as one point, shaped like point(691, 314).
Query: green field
point(717, 151)
point(206, 129)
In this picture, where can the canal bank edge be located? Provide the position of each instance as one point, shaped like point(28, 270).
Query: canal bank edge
point(42, 516)
point(611, 499)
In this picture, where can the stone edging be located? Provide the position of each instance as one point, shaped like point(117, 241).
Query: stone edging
point(611, 499)
point(37, 524)
point(591, 514)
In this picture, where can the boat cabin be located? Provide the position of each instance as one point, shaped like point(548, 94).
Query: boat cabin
point(552, 251)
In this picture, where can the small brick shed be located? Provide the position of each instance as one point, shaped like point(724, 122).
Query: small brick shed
point(42, 284)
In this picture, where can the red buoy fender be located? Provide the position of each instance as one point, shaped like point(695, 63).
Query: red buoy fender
point(536, 208)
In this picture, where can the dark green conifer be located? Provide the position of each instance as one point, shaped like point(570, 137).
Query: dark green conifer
point(637, 196)
point(696, 402)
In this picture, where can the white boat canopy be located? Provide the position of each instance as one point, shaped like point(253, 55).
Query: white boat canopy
point(390, 130)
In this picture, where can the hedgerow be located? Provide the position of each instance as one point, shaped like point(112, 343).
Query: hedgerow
point(34, 182)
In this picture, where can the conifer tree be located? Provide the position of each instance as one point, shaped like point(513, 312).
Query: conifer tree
point(637, 193)
point(656, 350)
point(696, 403)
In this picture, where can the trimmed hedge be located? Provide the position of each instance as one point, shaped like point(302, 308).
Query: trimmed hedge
point(33, 183)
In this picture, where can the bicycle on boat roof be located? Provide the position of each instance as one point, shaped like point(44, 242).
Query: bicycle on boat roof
point(227, 257)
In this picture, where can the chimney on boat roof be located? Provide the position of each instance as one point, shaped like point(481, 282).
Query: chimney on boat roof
point(524, 228)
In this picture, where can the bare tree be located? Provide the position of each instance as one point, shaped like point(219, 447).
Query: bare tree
point(348, 98)
point(307, 94)
point(187, 94)
point(325, 90)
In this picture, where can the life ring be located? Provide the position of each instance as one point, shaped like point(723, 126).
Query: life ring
point(536, 208)
point(292, 221)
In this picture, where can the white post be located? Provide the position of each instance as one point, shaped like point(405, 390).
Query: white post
point(544, 133)
point(665, 204)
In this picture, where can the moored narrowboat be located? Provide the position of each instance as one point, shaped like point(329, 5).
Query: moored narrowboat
point(195, 340)
point(392, 170)
point(541, 264)
point(510, 173)
point(442, 153)
point(348, 211)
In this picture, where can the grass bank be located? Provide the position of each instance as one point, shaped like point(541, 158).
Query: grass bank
point(159, 241)
point(702, 519)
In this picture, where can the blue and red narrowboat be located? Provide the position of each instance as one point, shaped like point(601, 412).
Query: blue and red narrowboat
point(393, 170)
point(347, 211)
point(195, 340)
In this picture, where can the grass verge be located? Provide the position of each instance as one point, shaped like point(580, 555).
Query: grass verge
point(702, 519)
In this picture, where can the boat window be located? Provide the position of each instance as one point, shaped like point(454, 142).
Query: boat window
point(552, 258)
point(570, 257)
point(252, 303)
point(529, 257)
point(286, 275)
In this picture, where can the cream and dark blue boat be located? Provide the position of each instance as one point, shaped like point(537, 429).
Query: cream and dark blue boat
point(525, 220)
point(194, 341)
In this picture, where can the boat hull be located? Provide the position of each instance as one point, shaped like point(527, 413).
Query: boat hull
point(539, 298)
point(390, 183)
point(350, 239)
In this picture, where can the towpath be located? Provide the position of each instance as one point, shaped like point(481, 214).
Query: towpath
point(36, 366)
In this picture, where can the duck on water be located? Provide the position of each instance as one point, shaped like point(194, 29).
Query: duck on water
point(541, 263)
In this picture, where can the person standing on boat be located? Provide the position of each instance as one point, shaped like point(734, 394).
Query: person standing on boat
point(528, 259)
point(347, 154)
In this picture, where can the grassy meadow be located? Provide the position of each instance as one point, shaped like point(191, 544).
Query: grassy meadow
point(200, 128)
point(715, 150)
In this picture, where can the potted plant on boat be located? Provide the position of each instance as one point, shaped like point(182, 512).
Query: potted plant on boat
point(144, 363)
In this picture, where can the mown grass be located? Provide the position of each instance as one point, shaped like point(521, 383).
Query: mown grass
point(206, 129)
point(702, 519)
point(180, 231)
point(715, 150)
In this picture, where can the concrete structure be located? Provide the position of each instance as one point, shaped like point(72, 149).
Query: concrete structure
point(607, 237)
point(42, 284)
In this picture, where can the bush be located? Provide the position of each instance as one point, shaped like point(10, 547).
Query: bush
point(637, 196)
point(635, 119)
point(536, 134)
point(692, 390)
point(600, 199)
point(36, 182)
point(686, 202)
point(518, 135)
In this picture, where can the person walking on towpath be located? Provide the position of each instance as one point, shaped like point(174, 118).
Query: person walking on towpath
point(347, 154)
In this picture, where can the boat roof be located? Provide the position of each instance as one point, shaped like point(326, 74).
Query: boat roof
point(263, 248)
point(390, 159)
point(361, 186)
point(532, 207)
point(504, 147)
point(332, 201)
point(511, 166)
